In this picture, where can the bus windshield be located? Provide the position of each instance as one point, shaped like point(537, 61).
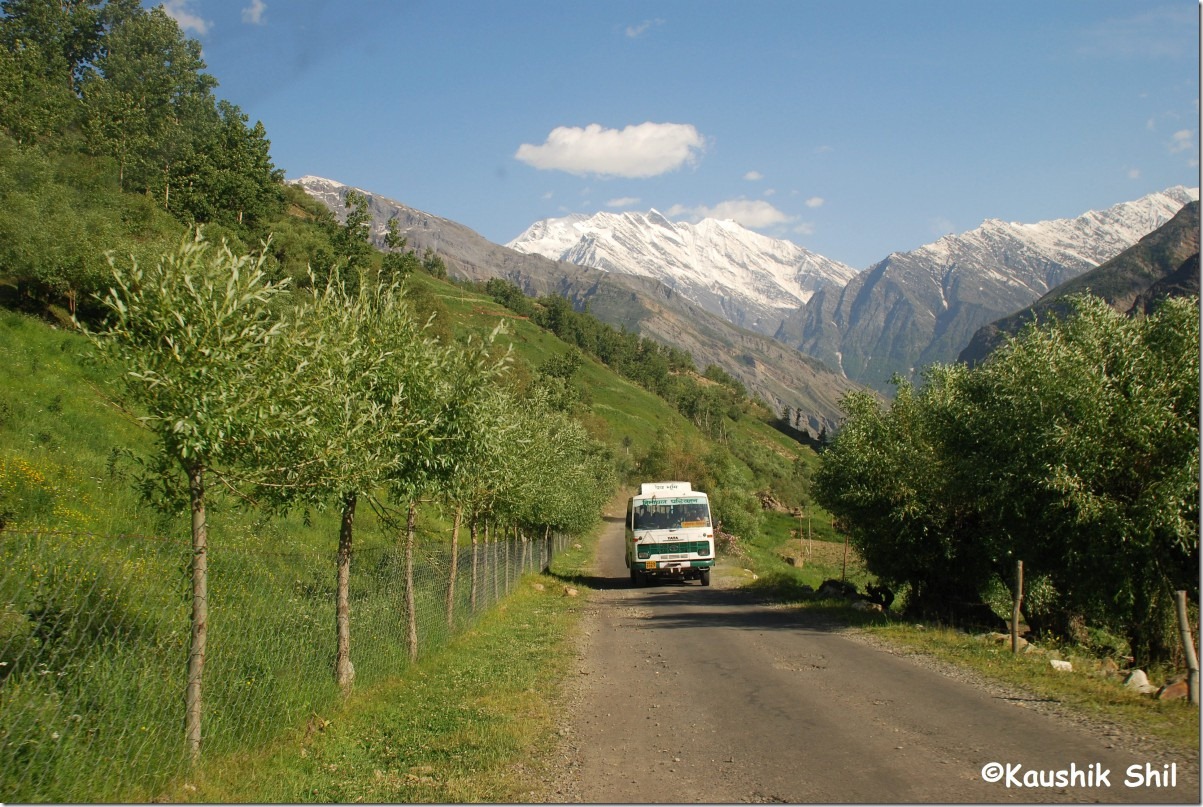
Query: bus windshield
point(666, 514)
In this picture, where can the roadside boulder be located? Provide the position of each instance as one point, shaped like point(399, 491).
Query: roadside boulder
point(1060, 666)
point(836, 589)
point(1004, 640)
point(880, 595)
point(1139, 682)
point(1175, 690)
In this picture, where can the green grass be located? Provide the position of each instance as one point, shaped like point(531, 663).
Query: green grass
point(94, 596)
point(818, 557)
point(474, 721)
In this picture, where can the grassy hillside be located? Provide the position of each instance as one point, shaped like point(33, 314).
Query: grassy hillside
point(93, 596)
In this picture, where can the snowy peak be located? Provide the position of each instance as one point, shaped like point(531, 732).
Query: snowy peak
point(923, 306)
point(743, 276)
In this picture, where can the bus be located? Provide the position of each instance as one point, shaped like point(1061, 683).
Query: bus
point(669, 534)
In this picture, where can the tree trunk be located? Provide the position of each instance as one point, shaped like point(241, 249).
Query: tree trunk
point(200, 612)
point(475, 547)
point(344, 671)
point(496, 564)
point(410, 604)
point(459, 515)
point(1150, 630)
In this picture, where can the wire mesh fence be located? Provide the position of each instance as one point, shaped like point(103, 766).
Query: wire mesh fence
point(94, 641)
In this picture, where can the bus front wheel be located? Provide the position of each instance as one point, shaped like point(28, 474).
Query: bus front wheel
point(705, 576)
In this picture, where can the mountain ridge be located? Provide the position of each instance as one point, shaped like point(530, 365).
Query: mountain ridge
point(781, 375)
point(1163, 263)
point(750, 279)
point(922, 306)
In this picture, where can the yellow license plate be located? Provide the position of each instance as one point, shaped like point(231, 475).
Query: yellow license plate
point(651, 564)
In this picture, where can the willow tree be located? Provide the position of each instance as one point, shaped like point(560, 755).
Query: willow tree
point(1075, 449)
point(193, 336)
point(427, 462)
point(1087, 431)
point(367, 383)
point(471, 452)
point(560, 477)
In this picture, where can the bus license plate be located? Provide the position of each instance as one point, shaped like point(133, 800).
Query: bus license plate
point(651, 564)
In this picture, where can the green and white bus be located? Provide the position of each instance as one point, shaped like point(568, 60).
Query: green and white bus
point(669, 533)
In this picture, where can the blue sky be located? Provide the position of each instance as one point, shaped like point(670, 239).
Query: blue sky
point(854, 128)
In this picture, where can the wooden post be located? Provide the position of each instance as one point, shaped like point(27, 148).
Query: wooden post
point(801, 540)
point(1015, 607)
point(844, 570)
point(1188, 647)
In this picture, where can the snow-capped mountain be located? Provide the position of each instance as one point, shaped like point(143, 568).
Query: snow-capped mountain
point(780, 375)
point(749, 279)
point(923, 306)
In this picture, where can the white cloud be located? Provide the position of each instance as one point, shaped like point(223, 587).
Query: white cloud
point(752, 213)
point(753, 176)
point(636, 31)
point(178, 11)
point(805, 228)
point(638, 151)
point(1182, 140)
point(623, 201)
point(815, 201)
point(253, 14)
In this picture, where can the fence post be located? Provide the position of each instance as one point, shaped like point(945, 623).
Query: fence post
point(844, 568)
point(459, 515)
point(1188, 647)
point(472, 531)
point(1015, 607)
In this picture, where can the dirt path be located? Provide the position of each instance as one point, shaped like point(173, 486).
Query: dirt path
point(686, 693)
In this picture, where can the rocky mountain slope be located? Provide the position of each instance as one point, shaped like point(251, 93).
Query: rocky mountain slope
point(749, 279)
point(780, 374)
point(1165, 263)
point(924, 306)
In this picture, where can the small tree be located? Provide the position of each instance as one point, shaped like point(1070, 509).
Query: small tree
point(191, 336)
point(368, 384)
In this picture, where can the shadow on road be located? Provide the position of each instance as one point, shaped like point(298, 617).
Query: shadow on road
point(593, 581)
point(685, 604)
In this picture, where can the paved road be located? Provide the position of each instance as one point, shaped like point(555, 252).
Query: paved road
point(701, 694)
